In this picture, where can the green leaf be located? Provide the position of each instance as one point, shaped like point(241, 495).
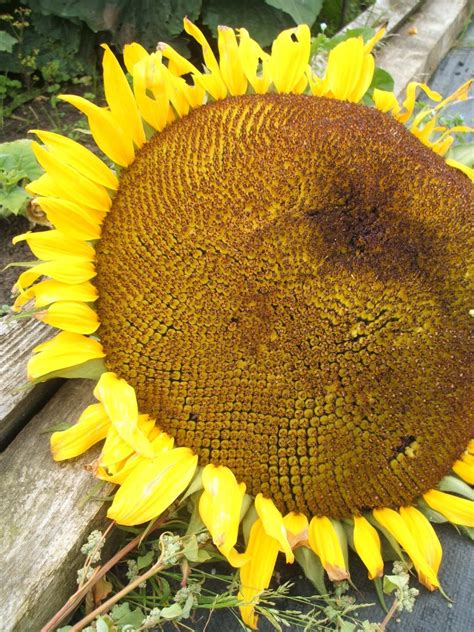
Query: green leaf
point(302, 11)
point(382, 80)
point(143, 561)
point(7, 42)
point(123, 616)
point(263, 22)
point(394, 582)
point(463, 153)
point(13, 201)
point(18, 156)
point(172, 612)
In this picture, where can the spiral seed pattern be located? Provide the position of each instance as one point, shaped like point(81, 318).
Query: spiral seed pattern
point(283, 279)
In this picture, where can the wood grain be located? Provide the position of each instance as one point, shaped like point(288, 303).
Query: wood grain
point(46, 516)
point(18, 399)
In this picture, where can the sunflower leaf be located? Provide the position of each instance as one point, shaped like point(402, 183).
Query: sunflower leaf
point(302, 11)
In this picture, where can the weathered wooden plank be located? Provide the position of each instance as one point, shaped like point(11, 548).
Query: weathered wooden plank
point(19, 400)
point(46, 516)
point(415, 51)
point(391, 13)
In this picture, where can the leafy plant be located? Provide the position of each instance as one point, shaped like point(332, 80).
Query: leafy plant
point(18, 166)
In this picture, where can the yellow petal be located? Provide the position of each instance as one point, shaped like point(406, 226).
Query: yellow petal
point(219, 507)
point(71, 316)
point(85, 191)
point(456, 510)
point(385, 101)
point(296, 525)
point(367, 546)
point(109, 136)
point(465, 470)
point(289, 59)
point(153, 486)
point(50, 291)
point(229, 61)
point(393, 522)
point(350, 70)
point(255, 576)
point(120, 402)
point(324, 541)
point(410, 100)
point(255, 63)
point(132, 54)
point(73, 220)
point(373, 40)
point(91, 427)
point(162, 443)
point(426, 539)
point(149, 76)
point(64, 351)
point(120, 98)
point(272, 521)
point(460, 94)
point(116, 451)
point(63, 270)
point(79, 157)
point(212, 82)
point(464, 168)
point(52, 244)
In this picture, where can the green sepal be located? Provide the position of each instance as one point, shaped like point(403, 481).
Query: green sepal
point(391, 550)
point(195, 524)
point(466, 531)
point(312, 568)
point(90, 370)
point(341, 536)
point(454, 485)
point(380, 594)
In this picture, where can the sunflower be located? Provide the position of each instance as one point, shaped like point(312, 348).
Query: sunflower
point(271, 286)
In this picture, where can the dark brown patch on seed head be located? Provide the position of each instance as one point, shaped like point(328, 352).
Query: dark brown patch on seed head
point(283, 279)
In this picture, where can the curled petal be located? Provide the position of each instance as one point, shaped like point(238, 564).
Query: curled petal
point(296, 525)
point(367, 546)
point(324, 541)
point(219, 506)
point(64, 351)
point(120, 402)
point(272, 521)
point(456, 510)
point(111, 460)
point(393, 522)
point(91, 427)
point(153, 486)
point(385, 101)
point(464, 168)
point(212, 82)
point(255, 576)
point(116, 451)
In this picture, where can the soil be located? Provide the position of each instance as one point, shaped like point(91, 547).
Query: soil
point(8, 253)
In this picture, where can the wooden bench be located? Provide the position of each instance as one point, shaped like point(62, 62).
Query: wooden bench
point(46, 508)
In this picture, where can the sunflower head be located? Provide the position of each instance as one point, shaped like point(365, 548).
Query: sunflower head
point(274, 283)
